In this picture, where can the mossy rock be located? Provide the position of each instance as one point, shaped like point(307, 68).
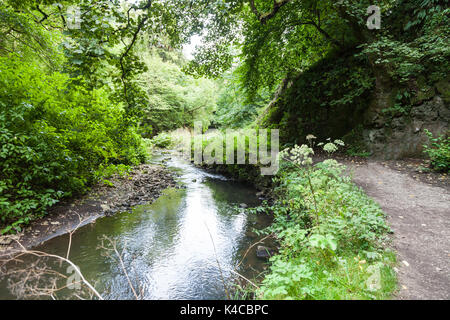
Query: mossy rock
point(443, 87)
point(423, 94)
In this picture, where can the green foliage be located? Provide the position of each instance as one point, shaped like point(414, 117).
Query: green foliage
point(20, 35)
point(427, 54)
point(233, 109)
point(70, 98)
point(413, 56)
point(107, 171)
point(162, 140)
point(422, 9)
point(331, 236)
point(278, 39)
point(439, 151)
point(355, 144)
point(334, 94)
point(174, 99)
point(54, 135)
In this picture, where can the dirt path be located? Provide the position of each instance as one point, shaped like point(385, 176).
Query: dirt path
point(419, 215)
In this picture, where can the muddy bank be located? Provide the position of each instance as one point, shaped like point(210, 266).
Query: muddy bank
point(143, 185)
point(171, 248)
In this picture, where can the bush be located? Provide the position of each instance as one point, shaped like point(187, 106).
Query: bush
point(439, 152)
point(54, 135)
point(162, 140)
point(331, 235)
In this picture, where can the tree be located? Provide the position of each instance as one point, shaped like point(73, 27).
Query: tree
point(279, 38)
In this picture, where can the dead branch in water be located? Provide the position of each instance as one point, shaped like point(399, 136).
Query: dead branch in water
point(254, 244)
point(32, 278)
point(218, 263)
point(113, 248)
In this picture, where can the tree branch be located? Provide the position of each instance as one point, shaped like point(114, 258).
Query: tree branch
point(263, 17)
point(130, 46)
point(45, 15)
point(326, 34)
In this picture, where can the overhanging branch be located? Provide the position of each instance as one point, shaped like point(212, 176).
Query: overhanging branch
point(130, 46)
point(263, 17)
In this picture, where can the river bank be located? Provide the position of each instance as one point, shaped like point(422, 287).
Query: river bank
point(192, 242)
point(143, 184)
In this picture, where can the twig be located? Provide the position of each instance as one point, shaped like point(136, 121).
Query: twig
point(125, 271)
point(38, 253)
point(240, 275)
point(218, 263)
point(122, 264)
point(249, 248)
point(70, 235)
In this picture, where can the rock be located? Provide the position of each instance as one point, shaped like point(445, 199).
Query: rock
point(443, 87)
point(423, 94)
point(263, 252)
point(377, 121)
point(251, 235)
point(426, 111)
point(4, 241)
point(260, 194)
point(243, 205)
point(398, 123)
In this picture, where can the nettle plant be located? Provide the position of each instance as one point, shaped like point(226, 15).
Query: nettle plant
point(438, 150)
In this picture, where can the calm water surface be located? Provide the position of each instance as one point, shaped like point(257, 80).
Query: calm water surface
point(171, 247)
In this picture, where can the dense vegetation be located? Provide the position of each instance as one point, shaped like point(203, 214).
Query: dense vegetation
point(332, 237)
point(72, 108)
point(78, 103)
point(55, 135)
point(174, 99)
point(439, 152)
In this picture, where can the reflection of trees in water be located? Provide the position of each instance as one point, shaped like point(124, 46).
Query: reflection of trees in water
point(168, 236)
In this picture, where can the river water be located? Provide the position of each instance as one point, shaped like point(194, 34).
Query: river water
point(182, 246)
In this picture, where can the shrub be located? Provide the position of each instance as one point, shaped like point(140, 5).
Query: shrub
point(439, 152)
point(162, 140)
point(331, 235)
point(54, 135)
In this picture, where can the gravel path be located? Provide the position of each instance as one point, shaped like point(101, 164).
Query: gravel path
point(419, 215)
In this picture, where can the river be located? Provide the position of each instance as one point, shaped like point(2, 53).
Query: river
point(182, 246)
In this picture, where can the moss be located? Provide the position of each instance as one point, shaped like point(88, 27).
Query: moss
point(327, 100)
point(443, 87)
point(357, 146)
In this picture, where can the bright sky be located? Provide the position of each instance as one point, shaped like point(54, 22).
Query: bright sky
point(189, 49)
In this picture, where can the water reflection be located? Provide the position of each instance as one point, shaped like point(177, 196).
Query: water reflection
point(173, 247)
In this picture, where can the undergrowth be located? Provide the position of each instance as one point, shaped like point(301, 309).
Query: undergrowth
point(439, 152)
point(332, 237)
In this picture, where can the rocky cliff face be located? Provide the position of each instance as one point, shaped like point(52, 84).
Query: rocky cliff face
point(400, 135)
point(347, 98)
